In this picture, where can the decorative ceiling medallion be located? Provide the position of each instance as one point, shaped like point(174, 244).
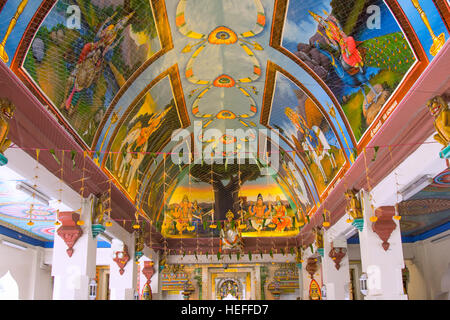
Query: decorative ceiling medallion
point(222, 35)
point(224, 81)
point(226, 114)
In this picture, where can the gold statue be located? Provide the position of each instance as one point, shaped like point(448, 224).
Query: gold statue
point(3, 55)
point(319, 237)
point(100, 207)
point(6, 113)
point(230, 236)
point(438, 42)
point(353, 208)
point(439, 109)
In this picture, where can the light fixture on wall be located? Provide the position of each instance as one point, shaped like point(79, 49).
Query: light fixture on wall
point(38, 195)
point(14, 245)
point(415, 186)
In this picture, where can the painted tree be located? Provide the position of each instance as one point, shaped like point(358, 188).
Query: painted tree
point(226, 182)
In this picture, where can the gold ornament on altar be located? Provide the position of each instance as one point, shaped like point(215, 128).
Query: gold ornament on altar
point(353, 208)
point(438, 41)
point(6, 113)
point(439, 109)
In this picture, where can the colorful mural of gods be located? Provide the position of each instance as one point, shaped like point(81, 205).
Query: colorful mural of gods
point(81, 69)
point(300, 120)
point(185, 216)
point(362, 63)
point(192, 209)
point(147, 127)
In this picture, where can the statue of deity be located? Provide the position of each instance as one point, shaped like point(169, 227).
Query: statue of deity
point(353, 208)
point(230, 237)
point(100, 208)
point(439, 109)
point(260, 213)
point(281, 219)
point(6, 113)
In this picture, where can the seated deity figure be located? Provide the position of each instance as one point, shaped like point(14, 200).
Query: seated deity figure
point(230, 237)
point(281, 219)
point(183, 215)
point(259, 214)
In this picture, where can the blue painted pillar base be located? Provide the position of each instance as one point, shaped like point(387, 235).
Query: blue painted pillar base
point(97, 229)
point(358, 223)
point(3, 160)
point(299, 265)
point(445, 153)
point(320, 251)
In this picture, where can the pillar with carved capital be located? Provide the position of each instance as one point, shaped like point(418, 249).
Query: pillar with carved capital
point(381, 252)
point(336, 273)
point(74, 254)
point(123, 269)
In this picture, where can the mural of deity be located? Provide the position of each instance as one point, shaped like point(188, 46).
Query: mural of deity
point(135, 144)
point(92, 59)
point(183, 215)
point(314, 141)
point(281, 219)
point(345, 56)
point(260, 213)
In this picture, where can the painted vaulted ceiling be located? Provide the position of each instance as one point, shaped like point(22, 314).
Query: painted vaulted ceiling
point(123, 75)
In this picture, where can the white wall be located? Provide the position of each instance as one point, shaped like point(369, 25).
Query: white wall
point(428, 261)
point(34, 281)
point(429, 264)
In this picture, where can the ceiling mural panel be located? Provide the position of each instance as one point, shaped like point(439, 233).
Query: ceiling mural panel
point(144, 128)
point(192, 207)
point(80, 69)
point(362, 60)
point(295, 114)
point(426, 210)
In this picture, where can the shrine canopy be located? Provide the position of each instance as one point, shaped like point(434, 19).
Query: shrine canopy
point(136, 82)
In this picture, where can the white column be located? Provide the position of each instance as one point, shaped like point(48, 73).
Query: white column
point(383, 267)
point(72, 274)
point(123, 286)
point(149, 255)
point(336, 281)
